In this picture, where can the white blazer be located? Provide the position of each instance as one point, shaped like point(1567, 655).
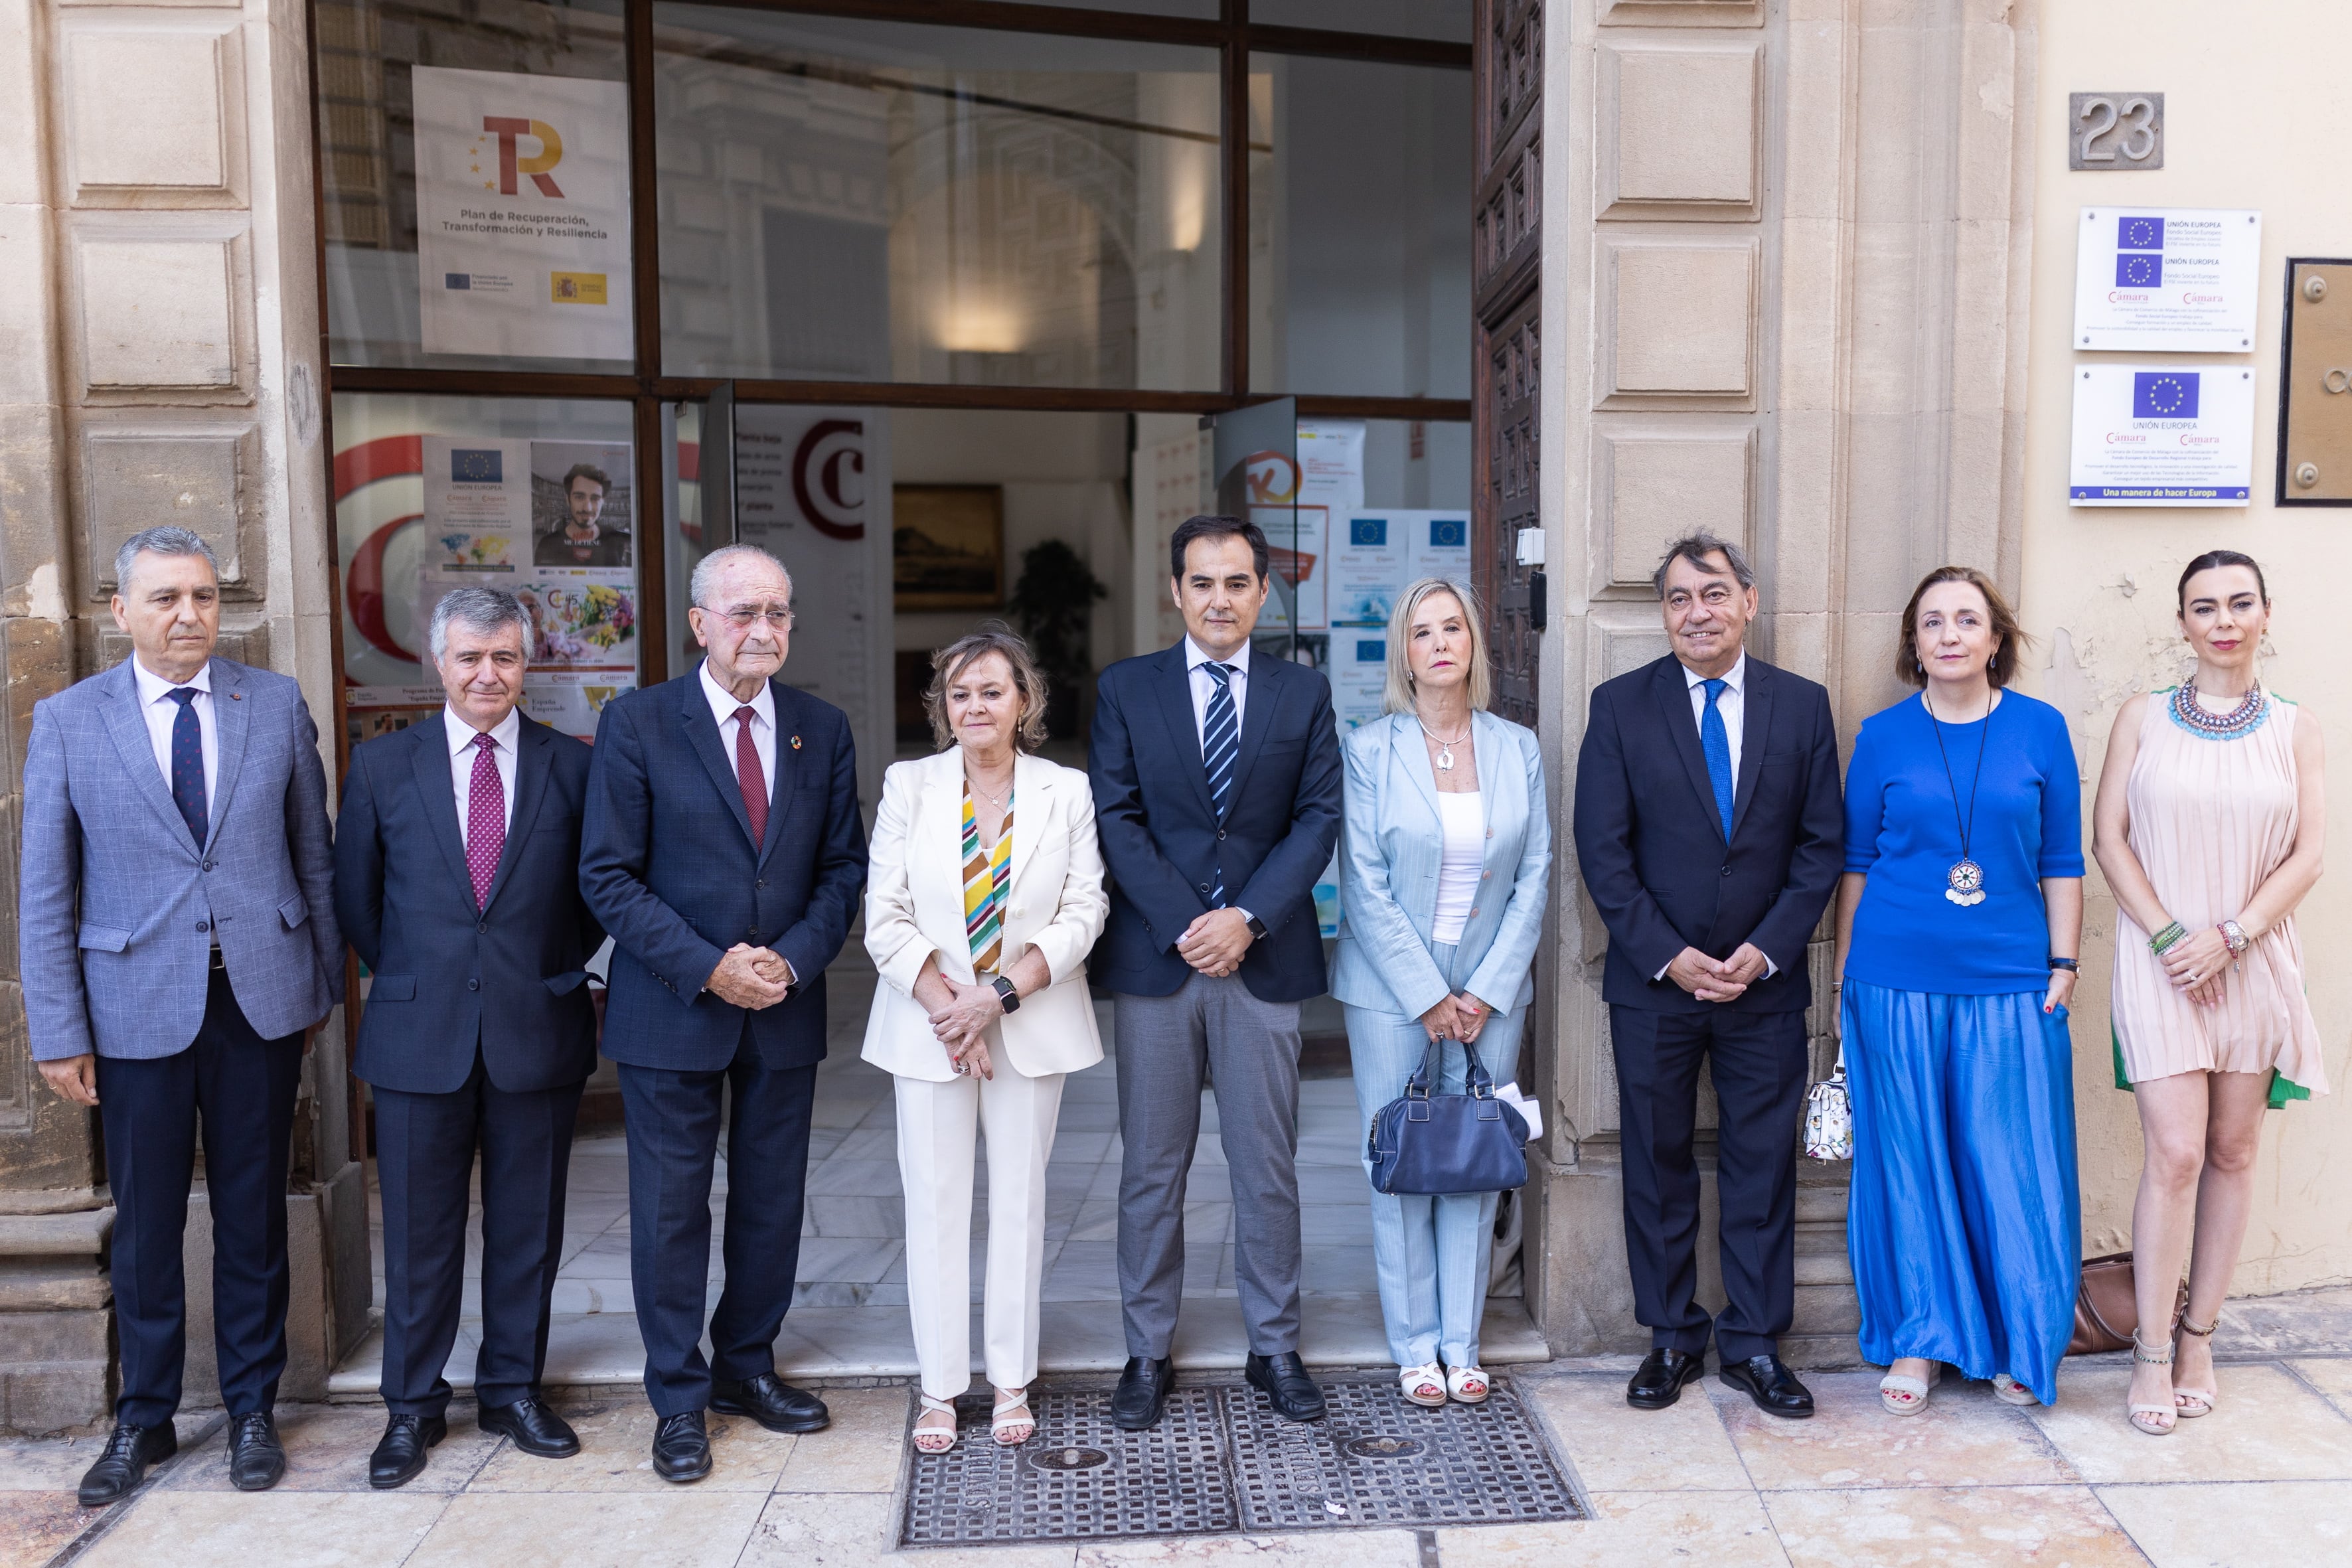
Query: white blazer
point(914, 908)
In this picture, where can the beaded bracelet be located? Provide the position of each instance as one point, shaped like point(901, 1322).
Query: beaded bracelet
point(2165, 938)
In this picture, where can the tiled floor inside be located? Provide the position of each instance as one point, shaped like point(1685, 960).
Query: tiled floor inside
point(849, 1317)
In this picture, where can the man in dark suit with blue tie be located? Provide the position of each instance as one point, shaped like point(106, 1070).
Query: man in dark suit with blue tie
point(457, 883)
point(1217, 797)
point(724, 852)
point(1710, 835)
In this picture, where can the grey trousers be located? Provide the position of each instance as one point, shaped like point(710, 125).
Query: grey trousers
point(1249, 1050)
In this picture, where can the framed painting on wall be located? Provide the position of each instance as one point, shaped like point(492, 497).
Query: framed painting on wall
point(947, 548)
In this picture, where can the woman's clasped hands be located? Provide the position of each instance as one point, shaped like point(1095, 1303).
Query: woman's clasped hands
point(1458, 1017)
point(961, 1025)
point(2199, 964)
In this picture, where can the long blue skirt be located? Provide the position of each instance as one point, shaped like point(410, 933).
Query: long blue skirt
point(1965, 1225)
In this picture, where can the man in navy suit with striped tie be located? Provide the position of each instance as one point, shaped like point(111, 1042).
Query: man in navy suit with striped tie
point(1217, 797)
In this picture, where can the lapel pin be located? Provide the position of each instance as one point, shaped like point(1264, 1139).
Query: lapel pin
point(796, 743)
point(236, 697)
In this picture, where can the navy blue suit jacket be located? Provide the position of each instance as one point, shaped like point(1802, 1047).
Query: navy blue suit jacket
point(1164, 846)
point(510, 977)
point(668, 865)
point(1650, 843)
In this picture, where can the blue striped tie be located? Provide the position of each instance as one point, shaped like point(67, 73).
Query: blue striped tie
point(1221, 747)
point(188, 764)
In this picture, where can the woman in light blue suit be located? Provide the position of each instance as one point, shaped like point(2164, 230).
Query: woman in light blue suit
point(1441, 875)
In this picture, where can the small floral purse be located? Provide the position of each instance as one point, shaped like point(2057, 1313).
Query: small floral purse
point(1829, 1117)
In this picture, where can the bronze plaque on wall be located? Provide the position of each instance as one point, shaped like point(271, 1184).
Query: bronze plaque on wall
point(2315, 465)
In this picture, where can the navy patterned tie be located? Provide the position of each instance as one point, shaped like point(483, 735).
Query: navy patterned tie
point(1221, 746)
point(188, 764)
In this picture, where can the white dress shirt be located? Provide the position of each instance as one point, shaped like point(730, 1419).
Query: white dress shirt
point(155, 706)
point(723, 704)
point(1204, 685)
point(1732, 704)
point(504, 736)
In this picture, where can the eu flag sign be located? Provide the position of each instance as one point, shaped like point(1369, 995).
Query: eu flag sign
point(476, 466)
point(2164, 394)
point(2141, 232)
point(1369, 532)
point(2136, 270)
point(1448, 533)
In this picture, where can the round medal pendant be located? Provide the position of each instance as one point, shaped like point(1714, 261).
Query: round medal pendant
point(1967, 879)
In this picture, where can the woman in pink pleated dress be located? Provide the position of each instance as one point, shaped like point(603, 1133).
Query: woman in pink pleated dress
point(2208, 826)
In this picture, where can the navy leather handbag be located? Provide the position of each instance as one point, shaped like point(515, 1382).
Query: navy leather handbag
point(1469, 1143)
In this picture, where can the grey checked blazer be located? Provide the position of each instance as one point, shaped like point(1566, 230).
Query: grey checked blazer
point(117, 901)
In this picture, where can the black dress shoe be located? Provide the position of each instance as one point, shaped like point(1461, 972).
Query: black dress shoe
point(1142, 1392)
point(682, 1447)
point(532, 1426)
point(1659, 1381)
point(778, 1406)
point(123, 1465)
point(1773, 1387)
point(1283, 1380)
point(257, 1459)
point(399, 1456)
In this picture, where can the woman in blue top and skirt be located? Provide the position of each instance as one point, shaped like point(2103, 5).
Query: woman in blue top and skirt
point(1959, 921)
point(1441, 875)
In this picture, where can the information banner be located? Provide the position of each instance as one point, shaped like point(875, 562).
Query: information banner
point(522, 215)
point(2168, 279)
point(2172, 436)
point(1360, 668)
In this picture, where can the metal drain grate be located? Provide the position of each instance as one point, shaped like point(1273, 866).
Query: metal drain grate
point(1221, 1460)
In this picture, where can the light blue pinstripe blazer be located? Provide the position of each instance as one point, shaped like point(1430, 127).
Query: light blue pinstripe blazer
point(1390, 850)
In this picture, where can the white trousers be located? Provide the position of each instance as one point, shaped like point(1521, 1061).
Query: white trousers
point(936, 1128)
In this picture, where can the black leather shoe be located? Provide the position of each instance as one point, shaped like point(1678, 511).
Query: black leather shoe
point(682, 1447)
point(1659, 1381)
point(777, 1406)
point(1142, 1392)
point(257, 1459)
point(123, 1465)
point(399, 1456)
point(532, 1427)
point(1284, 1381)
point(1773, 1387)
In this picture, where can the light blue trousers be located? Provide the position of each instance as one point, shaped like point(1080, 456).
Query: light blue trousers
point(1433, 1252)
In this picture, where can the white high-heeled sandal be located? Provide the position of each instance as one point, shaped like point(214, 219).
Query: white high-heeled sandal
point(2191, 1403)
point(2008, 1390)
point(1904, 1395)
point(935, 1439)
point(1468, 1385)
point(1001, 1419)
point(1423, 1385)
point(2170, 1411)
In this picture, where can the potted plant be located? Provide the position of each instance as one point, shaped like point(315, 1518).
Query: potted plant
point(1051, 603)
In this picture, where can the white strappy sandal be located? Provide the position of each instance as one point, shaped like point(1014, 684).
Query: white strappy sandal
point(2191, 1403)
point(1004, 1420)
point(2008, 1390)
point(2156, 1420)
point(1907, 1396)
point(1467, 1384)
point(935, 1439)
point(1423, 1385)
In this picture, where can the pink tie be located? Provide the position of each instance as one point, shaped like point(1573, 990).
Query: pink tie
point(485, 819)
point(749, 778)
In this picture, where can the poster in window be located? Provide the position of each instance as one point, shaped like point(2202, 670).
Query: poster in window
point(522, 215)
point(580, 504)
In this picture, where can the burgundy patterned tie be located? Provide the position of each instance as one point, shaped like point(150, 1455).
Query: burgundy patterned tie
point(753, 783)
point(485, 819)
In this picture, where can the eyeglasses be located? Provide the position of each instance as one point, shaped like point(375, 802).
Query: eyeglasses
point(778, 617)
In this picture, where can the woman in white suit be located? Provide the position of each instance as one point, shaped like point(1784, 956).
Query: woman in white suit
point(1442, 874)
point(984, 896)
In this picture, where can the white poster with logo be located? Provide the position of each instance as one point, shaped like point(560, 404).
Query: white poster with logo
point(1440, 544)
point(1371, 555)
point(522, 215)
point(812, 487)
point(2168, 279)
point(1330, 484)
point(2170, 435)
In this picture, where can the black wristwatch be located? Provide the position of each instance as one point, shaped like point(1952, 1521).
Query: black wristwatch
point(1005, 993)
point(2072, 965)
point(1257, 928)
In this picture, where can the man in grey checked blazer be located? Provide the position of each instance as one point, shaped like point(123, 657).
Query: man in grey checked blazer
point(177, 940)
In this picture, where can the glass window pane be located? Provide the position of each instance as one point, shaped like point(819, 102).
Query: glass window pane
point(1445, 19)
point(1199, 10)
point(859, 200)
point(417, 107)
point(537, 497)
point(1360, 228)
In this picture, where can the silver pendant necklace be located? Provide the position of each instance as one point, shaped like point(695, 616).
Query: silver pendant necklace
point(1444, 746)
point(1964, 883)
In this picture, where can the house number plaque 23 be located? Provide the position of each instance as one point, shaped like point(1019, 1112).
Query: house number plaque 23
point(2112, 131)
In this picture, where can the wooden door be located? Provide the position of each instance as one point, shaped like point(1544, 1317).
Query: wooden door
point(1507, 301)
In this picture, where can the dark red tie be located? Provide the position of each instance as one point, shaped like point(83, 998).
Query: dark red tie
point(485, 819)
point(753, 783)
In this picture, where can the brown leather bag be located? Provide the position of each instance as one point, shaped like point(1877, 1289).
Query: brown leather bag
point(2106, 1308)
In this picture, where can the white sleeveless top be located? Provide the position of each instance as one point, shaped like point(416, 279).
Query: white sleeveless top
point(1463, 816)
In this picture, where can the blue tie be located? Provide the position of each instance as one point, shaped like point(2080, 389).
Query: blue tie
point(1221, 746)
point(1716, 741)
point(188, 763)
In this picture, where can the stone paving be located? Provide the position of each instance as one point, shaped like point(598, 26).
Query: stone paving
point(2266, 1479)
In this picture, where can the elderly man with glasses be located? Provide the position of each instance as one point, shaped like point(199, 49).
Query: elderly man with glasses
point(723, 851)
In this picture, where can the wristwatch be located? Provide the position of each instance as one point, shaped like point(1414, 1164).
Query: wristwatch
point(2235, 936)
point(1257, 928)
point(1005, 993)
point(2072, 965)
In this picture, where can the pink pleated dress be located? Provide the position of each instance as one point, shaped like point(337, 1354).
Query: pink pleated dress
point(2211, 818)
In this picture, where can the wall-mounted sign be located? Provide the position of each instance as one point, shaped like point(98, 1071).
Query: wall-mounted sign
point(2167, 436)
point(2168, 279)
point(2115, 130)
point(522, 215)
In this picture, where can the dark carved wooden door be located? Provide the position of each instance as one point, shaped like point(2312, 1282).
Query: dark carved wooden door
point(1506, 301)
